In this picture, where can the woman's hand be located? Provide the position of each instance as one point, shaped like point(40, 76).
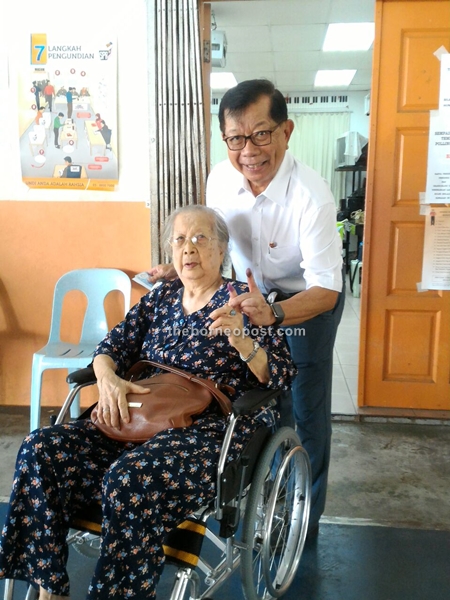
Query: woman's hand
point(113, 390)
point(229, 321)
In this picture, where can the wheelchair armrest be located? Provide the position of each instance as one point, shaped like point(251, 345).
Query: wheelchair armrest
point(82, 376)
point(253, 399)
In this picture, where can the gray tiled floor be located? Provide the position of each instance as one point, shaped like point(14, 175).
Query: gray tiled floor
point(346, 351)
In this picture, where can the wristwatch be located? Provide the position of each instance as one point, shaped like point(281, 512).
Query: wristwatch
point(252, 354)
point(278, 312)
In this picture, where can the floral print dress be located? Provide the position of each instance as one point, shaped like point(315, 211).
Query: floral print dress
point(145, 490)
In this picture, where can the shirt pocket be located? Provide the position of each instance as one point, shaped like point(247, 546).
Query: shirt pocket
point(282, 261)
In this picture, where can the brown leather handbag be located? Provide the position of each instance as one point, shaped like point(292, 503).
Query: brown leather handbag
point(174, 400)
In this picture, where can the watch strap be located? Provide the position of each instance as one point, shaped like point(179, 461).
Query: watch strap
point(252, 354)
point(278, 313)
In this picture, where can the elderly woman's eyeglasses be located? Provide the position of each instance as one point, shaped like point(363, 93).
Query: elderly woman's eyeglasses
point(199, 240)
point(259, 138)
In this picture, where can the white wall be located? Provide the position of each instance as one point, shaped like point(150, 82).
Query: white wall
point(359, 120)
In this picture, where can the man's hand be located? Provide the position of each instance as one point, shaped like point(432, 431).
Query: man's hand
point(230, 322)
point(166, 272)
point(253, 304)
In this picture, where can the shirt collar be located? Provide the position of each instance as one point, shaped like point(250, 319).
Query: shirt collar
point(277, 188)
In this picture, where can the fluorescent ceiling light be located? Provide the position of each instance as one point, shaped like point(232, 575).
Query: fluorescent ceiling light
point(335, 78)
point(343, 37)
point(222, 81)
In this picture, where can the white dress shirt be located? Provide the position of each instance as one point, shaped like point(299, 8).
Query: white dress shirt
point(287, 235)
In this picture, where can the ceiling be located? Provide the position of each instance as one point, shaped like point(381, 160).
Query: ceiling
point(281, 40)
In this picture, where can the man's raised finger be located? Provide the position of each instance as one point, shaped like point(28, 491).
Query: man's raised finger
point(251, 281)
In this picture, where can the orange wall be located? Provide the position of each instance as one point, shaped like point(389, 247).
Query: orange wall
point(39, 241)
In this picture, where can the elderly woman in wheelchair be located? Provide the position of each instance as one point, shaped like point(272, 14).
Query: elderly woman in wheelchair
point(147, 490)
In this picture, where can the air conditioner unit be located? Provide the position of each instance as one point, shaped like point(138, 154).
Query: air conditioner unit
point(218, 48)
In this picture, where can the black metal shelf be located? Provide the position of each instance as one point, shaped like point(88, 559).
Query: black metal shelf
point(353, 169)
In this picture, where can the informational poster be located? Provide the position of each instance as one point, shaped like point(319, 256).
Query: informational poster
point(436, 256)
point(68, 112)
point(438, 171)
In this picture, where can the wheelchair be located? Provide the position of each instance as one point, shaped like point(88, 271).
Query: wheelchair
point(257, 521)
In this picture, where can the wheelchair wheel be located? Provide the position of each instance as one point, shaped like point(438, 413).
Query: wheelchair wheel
point(86, 544)
point(276, 517)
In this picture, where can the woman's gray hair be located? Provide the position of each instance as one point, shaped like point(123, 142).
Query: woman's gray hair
point(219, 226)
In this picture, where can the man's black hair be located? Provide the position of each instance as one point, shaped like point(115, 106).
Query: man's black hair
point(238, 98)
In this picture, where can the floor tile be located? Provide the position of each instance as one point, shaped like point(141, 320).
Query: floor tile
point(350, 371)
point(339, 385)
point(352, 383)
point(342, 404)
point(346, 344)
point(337, 371)
point(350, 329)
point(348, 357)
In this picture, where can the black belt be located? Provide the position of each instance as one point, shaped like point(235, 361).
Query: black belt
point(280, 296)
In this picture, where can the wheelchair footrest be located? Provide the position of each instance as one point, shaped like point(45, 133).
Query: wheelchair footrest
point(184, 544)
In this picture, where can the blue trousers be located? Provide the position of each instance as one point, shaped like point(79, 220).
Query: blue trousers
point(308, 405)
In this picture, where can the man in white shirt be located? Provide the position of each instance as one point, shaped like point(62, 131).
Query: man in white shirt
point(282, 221)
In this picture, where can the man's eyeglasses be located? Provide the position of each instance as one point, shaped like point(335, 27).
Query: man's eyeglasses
point(259, 138)
point(199, 240)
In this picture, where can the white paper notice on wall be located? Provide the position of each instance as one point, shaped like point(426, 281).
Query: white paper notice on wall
point(438, 168)
point(423, 208)
point(444, 91)
point(3, 72)
point(440, 51)
point(436, 251)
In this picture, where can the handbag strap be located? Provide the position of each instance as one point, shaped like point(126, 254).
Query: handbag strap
point(223, 400)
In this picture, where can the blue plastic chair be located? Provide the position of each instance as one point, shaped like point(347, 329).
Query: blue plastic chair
point(96, 285)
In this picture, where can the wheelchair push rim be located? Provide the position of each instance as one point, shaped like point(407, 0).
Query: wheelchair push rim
point(276, 517)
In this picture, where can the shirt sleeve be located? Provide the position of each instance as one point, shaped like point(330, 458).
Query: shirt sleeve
point(321, 248)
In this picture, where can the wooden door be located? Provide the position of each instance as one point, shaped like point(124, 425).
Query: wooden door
point(405, 334)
